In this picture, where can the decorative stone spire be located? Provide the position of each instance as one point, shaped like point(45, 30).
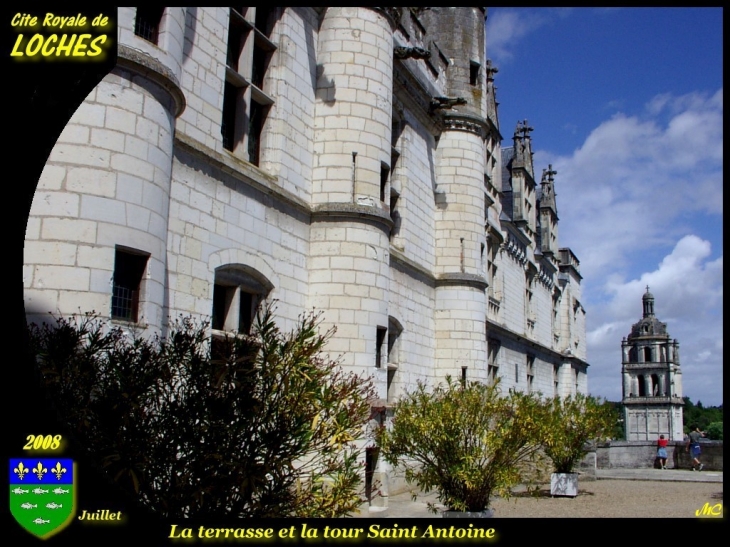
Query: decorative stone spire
point(648, 300)
point(547, 185)
point(492, 103)
point(523, 147)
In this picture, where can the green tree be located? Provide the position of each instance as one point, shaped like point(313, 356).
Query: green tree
point(570, 423)
point(267, 427)
point(699, 415)
point(714, 431)
point(466, 442)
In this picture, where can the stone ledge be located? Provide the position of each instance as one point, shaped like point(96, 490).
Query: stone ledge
point(141, 63)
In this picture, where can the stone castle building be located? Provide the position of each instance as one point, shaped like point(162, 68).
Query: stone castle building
point(652, 380)
point(344, 159)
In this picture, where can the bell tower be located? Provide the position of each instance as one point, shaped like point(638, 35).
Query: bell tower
point(652, 379)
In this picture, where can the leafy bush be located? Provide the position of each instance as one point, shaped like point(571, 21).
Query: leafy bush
point(266, 427)
point(571, 422)
point(467, 442)
point(714, 431)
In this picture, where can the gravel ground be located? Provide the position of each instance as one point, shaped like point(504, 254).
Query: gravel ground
point(616, 498)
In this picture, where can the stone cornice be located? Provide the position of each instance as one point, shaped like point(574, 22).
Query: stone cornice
point(399, 261)
point(465, 122)
point(501, 331)
point(241, 170)
point(152, 69)
point(351, 211)
point(462, 280)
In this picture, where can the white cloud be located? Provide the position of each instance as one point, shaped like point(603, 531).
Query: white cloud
point(505, 28)
point(635, 179)
point(687, 287)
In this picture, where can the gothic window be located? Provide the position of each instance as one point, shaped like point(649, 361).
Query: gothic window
point(556, 381)
point(494, 288)
point(529, 313)
point(530, 372)
point(642, 385)
point(147, 23)
point(395, 190)
point(245, 103)
point(493, 346)
point(129, 272)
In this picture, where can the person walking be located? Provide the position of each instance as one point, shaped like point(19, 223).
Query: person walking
point(693, 446)
point(661, 451)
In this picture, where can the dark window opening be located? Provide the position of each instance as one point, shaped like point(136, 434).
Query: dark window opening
point(647, 355)
point(642, 386)
point(264, 20)
point(474, 72)
point(379, 340)
point(463, 376)
point(129, 269)
point(147, 23)
point(231, 103)
point(255, 128)
point(391, 377)
point(235, 44)
point(260, 64)
point(384, 173)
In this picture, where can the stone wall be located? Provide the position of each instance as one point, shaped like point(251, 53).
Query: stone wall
point(640, 454)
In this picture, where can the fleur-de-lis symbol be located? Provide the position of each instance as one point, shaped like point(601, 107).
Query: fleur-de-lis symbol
point(58, 470)
point(21, 471)
point(39, 470)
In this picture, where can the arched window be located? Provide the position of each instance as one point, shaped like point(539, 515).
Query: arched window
point(237, 292)
point(642, 385)
point(655, 385)
point(633, 357)
point(647, 355)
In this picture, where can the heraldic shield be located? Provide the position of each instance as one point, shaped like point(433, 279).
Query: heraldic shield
point(42, 496)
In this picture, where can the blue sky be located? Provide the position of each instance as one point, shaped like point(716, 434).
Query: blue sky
point(627, 105)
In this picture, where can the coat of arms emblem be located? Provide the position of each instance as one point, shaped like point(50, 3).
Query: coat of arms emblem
point(42, 496)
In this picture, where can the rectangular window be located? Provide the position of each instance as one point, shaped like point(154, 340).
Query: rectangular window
point(129, 271)
point(147, 23)
point(245, 104)
point(530, 373)
point(474, 72)
point(384, 174)
point(492, 363)
point(233, 308)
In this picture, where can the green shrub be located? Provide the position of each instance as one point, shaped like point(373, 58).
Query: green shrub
point(569, 423)
point(466, 442)
point(714, 431)
point(266, 427)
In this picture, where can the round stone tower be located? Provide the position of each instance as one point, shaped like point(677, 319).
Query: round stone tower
point(460, 172)
point(107, 184)
point(349, 264)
